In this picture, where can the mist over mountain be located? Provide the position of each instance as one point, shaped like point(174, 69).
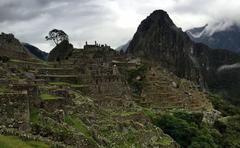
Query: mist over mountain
point(123, 47)
point(223, 35)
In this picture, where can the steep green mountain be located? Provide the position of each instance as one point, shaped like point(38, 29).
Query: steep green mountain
point(35, 51)
point(218, 37)
point(160, 40)
point(61, 52)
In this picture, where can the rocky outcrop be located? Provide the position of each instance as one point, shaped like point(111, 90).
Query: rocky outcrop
point(61, 52)
point(12, 48)
point(159, 40)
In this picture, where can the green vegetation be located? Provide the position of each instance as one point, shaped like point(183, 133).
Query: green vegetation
point(229, 124)
point(59, 83)
point(37, 62)
point(66, 84)
point(37, 144)
point(48, 97)
point(78, 124)
point(15, 142)
point(77, 86)
point(61, 52)
point(136, 78)
point(230, 130)
point(188, 130)
point(225, 107)
point(165, 140)
point(34, 115)
point(2, 89)
point(50, 128)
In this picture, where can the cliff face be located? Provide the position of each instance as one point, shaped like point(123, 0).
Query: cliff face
point(12, 48)
point(61, 52)
point(159, 40)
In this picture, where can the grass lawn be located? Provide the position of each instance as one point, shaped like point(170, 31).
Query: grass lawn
point(48, 97)
point(59, 83)
point(78, 124)
point(15, 142)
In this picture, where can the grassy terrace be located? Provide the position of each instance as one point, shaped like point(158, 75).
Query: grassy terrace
point(2, 89)
point(15, 142)
point(59, 83)
point(58, 76)
point(50, 68)
point(78, 124)
point(67, 84)
point(29, 62)
point(71, 120)
point(48, 97)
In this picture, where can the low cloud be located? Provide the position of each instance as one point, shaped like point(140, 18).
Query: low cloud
point(228, 67)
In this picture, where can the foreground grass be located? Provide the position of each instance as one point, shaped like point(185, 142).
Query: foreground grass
point(15, 142)
point(59, 83)
point(78, 124)
point(48, 97)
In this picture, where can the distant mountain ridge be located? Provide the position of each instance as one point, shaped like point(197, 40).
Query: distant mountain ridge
point(221, 35)
point(123, 47)
point(36, 51)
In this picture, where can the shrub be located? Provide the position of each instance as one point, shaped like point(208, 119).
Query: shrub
point(137, 84)
point(187, 130)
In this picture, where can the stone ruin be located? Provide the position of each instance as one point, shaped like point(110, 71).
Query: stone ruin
point(11, 47)
point(26, 89)
point(96, 46)
point(14, 111)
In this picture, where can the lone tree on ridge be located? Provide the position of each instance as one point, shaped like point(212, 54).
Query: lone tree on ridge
point(57, 36)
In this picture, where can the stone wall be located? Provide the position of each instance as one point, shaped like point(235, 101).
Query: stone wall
point(109, 86)
point(14, 111)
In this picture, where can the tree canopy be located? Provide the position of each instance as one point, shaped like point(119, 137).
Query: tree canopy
point(57, 36)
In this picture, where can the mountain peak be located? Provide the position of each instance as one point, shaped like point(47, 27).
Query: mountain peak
point(156, 32)
point(157, 18)
point(159, 13)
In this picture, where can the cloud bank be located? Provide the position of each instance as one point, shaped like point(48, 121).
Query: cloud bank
point(107, 21)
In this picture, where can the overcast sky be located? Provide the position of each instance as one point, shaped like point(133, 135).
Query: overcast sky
point(107, 21)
